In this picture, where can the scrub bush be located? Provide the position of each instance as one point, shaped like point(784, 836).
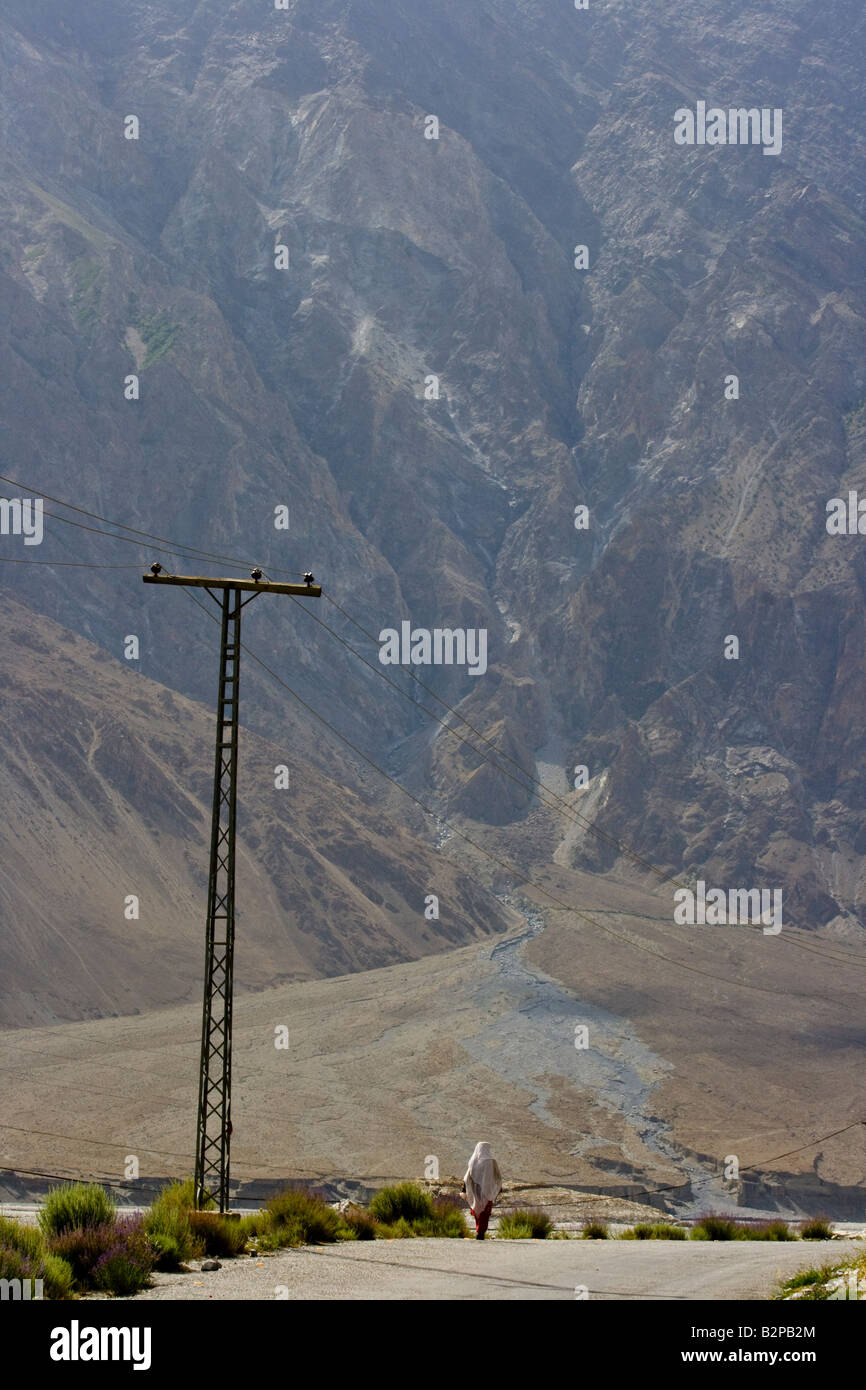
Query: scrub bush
point(74, 1207)
point(654, 1230)
point(297, 1217)
point(526, 1223)
point(406, 1200)
point(55, 1273)
point(816, 1228)
point(168, 1227)
point(115, 1257)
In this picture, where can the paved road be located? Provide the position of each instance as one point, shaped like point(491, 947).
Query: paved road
point(451, 1269)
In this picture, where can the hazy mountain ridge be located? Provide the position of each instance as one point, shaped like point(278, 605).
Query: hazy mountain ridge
point(558, 387)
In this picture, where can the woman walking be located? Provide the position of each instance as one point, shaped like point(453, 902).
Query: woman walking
point(482, 1185)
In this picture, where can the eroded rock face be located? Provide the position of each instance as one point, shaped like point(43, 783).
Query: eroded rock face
point(412, 258)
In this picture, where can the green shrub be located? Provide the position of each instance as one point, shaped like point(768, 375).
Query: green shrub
point(654, 1230)
point(716, 1228)
point(513, 1227)
point(663, 1230)
point(178, 1195)
point(14, 1264)
point(301, 1217)
point(595, 1230)
point(167, 1256)
point(813, 1284)
point(214, 1234)
point(401, 1229)
point(406, 1211)
point(725, 1228)
point(405, 1200)
point(360, 1223)
point(804, 1278)
point(181, 1196)
point(168, 1228)
point(28, 1240)
point(55, 1274)
point(525, 1223)
point(816, 1228)
point(770, 1230)
point(292, 1233)
point(539, 1221)
point(76, 1206)
point(448, 1221)
point(249, 1225)
point(450, 1224)
point(122, 1273)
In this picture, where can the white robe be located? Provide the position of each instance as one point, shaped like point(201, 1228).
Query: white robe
point(483, 1179)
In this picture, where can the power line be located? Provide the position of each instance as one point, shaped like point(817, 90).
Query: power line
point(811, 1145)
point(77, 1175)
point(175, 552)
point(189, 551)
point(571, 812)
point(757, 1166)
point(109, 1144)
point(73, 564)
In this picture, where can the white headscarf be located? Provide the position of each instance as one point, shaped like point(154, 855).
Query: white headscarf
point(483, 1179)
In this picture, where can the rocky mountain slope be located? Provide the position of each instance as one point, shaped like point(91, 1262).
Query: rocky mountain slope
point(299, 138)
point(106, 788)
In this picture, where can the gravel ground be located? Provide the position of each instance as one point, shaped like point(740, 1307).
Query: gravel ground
point(452, 1269)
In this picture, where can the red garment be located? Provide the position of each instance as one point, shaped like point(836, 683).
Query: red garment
point(482, 1217)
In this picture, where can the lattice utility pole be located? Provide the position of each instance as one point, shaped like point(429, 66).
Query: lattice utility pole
point(214, 1127)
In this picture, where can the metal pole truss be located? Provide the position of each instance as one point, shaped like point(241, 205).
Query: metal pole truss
point(214, 1094)
point(214, 1122)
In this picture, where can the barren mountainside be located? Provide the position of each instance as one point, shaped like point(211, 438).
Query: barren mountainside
point(106, 789)
point(432, 342)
